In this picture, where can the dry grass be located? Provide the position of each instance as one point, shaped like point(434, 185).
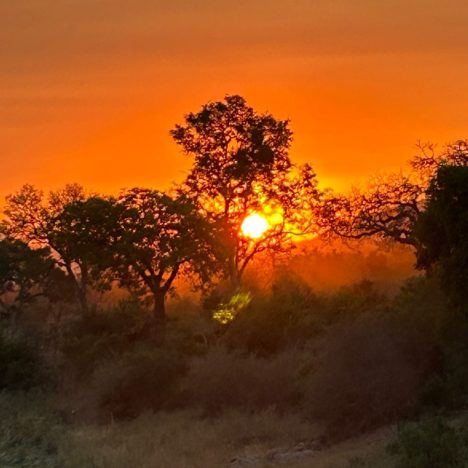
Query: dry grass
point(181, 439)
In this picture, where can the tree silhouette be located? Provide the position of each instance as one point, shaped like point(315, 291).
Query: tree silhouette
point(241, 165)
point(82, 233)
point(41, 222)
point(24, 274)
point(442, 231)
point(160, 236)
point(389, 206)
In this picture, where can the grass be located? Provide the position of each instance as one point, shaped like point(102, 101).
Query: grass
point(183, 439)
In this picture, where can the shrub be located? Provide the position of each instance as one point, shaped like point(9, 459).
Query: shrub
point(145, 378)
point(222, 380)
point(430, 443)
point(102, 335)
point(288, 317)
point(365, 375)
point(293, 315)
point(31, 432)
point(19, 366)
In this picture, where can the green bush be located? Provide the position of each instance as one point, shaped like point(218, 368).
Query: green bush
point(293, 314)
point(19, 366)
point(102, 335)
point(31, 433)
point(430, 443)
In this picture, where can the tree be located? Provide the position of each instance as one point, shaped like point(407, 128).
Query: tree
point(241, 166)
point(387, 209)
point(442, 231)
point(389, 206)
point(83, 233)
point(24, 274)
point(160, 237)
point(58, 224)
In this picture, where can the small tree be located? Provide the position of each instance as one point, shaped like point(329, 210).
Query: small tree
point(160, 236)
point(241, 165)
point(24, 276)
point(82, 233)
point(65, 223)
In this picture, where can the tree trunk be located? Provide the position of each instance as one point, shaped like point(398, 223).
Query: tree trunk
point(235, 282)
point(82, 298)
point(80, 287)
point(234, 275)
point(159, 306)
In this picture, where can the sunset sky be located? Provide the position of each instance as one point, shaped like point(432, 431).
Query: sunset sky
point(89, 89)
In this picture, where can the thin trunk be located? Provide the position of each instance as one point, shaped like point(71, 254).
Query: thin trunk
point(82, 297)
point(235, 282)
point(159, 306)
point(80, 287)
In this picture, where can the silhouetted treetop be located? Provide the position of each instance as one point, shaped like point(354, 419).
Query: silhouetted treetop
point(241, 165)
point(390, 205)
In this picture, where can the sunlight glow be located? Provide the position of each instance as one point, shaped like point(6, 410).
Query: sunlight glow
point(254, 226)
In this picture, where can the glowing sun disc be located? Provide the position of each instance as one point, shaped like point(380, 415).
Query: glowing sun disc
point(254, 226)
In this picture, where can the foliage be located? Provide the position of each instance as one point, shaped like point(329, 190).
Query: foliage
point(223, 380)
point(25, 274)
point(145, 378)
point(389, 206)
point(430, 443)
point(226, 313)
point(241, 165)
point(32, 433)
point(39, 223)
point(160, 236)
point(82, 232)
point(97, 337)
point(19, 363)
point(365, 374)
point(442, 231)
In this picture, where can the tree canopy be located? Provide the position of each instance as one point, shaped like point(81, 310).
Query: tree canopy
point(159, 236)
point(389, 206)
point(442, 231)
point(60, 223)
point(241, 165)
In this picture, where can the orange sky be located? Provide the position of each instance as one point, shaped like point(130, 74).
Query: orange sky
point(90, 88)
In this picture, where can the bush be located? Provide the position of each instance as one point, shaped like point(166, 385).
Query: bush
point(102, 335)
point(19, 366)
point(430, 443)
point(423, 307)
point(288, 317)
point(365, 375)
point(31, 432)
point(293, 315)
point(146, 378)
point(222, 380)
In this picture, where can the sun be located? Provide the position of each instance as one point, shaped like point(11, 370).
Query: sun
point(254, 226)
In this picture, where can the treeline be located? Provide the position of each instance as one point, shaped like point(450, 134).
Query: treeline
point(70, 243)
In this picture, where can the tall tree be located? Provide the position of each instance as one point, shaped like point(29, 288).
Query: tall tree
point(160, 237)
point(241, 165)
point(442, 231)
